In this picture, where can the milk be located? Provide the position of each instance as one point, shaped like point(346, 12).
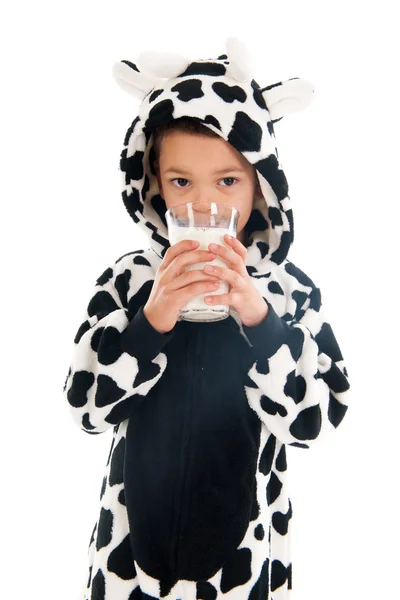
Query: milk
point(196, 307)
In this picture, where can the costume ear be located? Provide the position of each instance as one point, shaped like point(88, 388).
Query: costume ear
point(240, 63)
point(131, 80)
point(162, 64)
point(288, 96)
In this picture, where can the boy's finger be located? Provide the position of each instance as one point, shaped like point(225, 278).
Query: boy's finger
point(176, 249)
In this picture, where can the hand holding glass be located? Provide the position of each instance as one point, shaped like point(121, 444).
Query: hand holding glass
point(205, 222)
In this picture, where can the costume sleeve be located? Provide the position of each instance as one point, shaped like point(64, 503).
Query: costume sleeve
point(298, 385)
point(116, 359)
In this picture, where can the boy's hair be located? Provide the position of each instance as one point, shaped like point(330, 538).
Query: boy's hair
point(185, 124)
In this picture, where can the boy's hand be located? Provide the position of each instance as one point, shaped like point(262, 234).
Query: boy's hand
point(243, 296)
point(173, 286)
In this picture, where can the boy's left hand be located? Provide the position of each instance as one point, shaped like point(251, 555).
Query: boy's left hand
point(243, 296)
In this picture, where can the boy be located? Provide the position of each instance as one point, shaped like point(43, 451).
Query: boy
point(194, 502)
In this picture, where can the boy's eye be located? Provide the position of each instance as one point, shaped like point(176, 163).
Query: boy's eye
point(228, 178)
point(182, 179)
point(179, 179)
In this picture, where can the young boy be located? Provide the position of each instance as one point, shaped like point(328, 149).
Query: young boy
point(194, 501)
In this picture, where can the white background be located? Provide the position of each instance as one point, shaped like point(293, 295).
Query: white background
point(63, 121)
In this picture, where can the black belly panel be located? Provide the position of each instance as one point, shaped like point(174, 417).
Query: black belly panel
point(191, 456)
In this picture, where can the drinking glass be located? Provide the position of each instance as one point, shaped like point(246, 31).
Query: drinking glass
point(206, 222)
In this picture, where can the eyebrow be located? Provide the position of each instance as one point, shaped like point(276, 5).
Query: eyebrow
point(218, 172)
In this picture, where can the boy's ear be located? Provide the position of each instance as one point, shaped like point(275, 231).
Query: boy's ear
point(257, 191)
point(157, 169)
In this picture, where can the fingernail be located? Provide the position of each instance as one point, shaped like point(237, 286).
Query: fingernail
point(213, 246)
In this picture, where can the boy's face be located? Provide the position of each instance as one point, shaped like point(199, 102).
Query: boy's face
point(196, 160)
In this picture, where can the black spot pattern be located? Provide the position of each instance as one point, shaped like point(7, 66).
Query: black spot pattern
point(104, 533)
point(245, 134)
point(117, 464)
point(82, 381)
point(93, 534)
point(154, 95)
point(120, 560)
point(295, 343)
point(295, 387)
point(307, 424)
point(205, 591)
point(101, 304)
point(122, 283)
point(90, 575)
point(279, 575)
point(327, 343)
point(139, 299)
point(130, 130)
point(248, 382)
point(229, 93)
point(98, 586)
point(106, 342)
point(275, 288)
point(131, 65)
point(204, 68)
point(103, 487)
point(160, 114)
point(259, 532)
point(132, 165)
point(141, 260)
point(105, 276)
point(259, 99)
point(146, 372)
point(301, 277)
point(136, 594)
point(82, 329)
point(107, 391)
point(132, 203)
point(263, 248)
point(280, 521)
point(273, 488)
point(166, 585)
point(267, 455)
point(269, 168)
point(213, 121)
point(260, 590)
point(300, 298)
point(299, 445)
point(123, 409)
point(188, 90)
point(336, 410)
point(158, 203)
point(237, 570)
point(280, 463)
point(87, 424)
point(256, 222)
point(271, 407)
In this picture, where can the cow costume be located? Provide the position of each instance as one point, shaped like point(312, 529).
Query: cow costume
point(194, 502)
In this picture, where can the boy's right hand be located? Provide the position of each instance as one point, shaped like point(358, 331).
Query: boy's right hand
point(173, 286)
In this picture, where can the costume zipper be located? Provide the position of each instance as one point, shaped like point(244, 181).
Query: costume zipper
point(185, 457)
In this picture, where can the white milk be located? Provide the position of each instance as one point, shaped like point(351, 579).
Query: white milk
point(206, 236)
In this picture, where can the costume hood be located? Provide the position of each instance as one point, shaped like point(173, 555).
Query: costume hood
point(222, 95)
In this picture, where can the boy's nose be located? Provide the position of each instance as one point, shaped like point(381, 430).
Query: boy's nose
point(202, 206)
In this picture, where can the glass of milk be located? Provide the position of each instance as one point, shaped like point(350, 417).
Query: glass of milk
point(206, 222)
